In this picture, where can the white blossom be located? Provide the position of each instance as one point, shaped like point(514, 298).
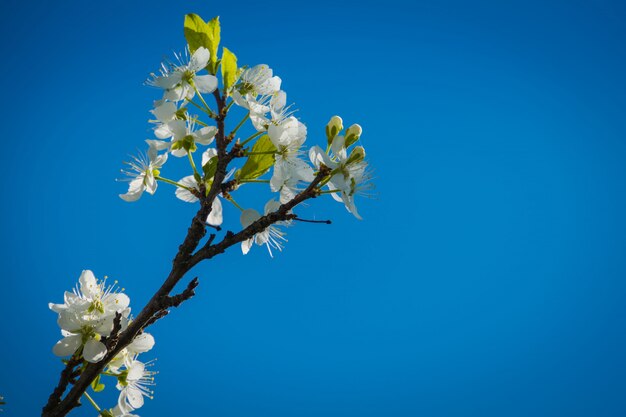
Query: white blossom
point(134, 386)
point(350, 175)
point(214, 218)
point(181, 81)
point(143, 170)
point(271, 236)
point(87, 315)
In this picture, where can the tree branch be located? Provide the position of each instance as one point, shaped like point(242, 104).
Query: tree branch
point(184, 260)
point(283, 213)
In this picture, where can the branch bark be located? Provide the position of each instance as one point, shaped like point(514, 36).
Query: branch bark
point(184, 260)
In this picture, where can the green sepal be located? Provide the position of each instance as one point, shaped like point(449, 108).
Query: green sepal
point(229, 69)
point(96, 385)
point(257, 165)
point(106, 413)
point(187, 143)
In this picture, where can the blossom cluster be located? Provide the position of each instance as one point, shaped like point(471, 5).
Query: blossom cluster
point(277, 144)
point(87, 317)
point(273, 155)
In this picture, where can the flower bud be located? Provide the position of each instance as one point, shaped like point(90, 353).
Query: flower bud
point(356, 156)
point(353, 134)
point(334, 126)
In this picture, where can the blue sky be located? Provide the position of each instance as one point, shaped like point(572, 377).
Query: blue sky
point(486, 279)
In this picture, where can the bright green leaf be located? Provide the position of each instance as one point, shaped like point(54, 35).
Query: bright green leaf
point(196, 32)
point(257, 165)
point(214, 42)
point(229, 68)
point(210, 167)
point(201, 34)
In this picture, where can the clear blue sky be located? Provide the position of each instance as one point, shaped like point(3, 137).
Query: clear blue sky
point(487, 278)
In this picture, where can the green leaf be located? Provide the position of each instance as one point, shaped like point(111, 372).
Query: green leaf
point(210, 167)
point(214, 42)
point(201, 34)
point(257, 165)
point(229, 69)
point(196, 32)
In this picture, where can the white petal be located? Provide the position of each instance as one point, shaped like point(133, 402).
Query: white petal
point(68, 320)
point(89, 284)
point(215, 217)
point(205, 135)
point(130, 197)
point(94, 351)
point(259, 121)
point(116, 302)
point(165, 112)
point(142, 343)
point(270, 86)
point(205, 83)
point(67, 346)
point(168, 81)
point(179, 128)
point(278, 101)
point(179, 152)
point(248, 217)
point(199, 59)
point(134, 397)
point(240, 100)
point(135, 371)
point(208, 154)
point(271, 206)
point(185, 195)
point(318, 156)
point(338, 144)
point(246, 245)
point(177, 93)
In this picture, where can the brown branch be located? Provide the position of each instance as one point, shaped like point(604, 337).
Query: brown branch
point(111, 341)
point(184, 260)
point(67, 375)
point(176, 300)
point(158, 315)
point(283, 213)
point(153, 310)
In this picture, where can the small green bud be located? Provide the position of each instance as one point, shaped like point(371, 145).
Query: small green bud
point(353, 134)
point(334, 126)
point(106, 413)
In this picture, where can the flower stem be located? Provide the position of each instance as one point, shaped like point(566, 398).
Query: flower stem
point(177, 184)
point(232, 200)
point(232, 134)
point(265, 181)
point(209, 112)
point(92, 402)
point(200, 122)
point(262, 153)
point(206, 106)
point(193, 164)
point(330, 191)
point(257, 134)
